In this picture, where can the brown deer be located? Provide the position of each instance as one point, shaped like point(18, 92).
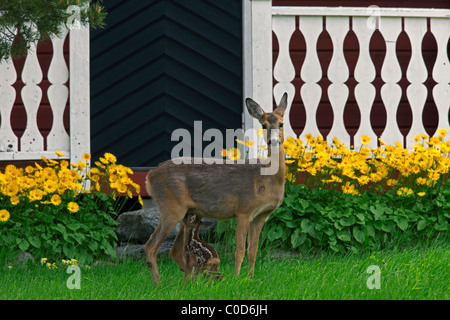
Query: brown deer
point(221, 191)
point(193, 255)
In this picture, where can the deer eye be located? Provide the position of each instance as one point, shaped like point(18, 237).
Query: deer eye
point(264, 126)
point(281, 125)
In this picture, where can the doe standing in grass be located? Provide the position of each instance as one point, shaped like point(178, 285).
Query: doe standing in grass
point(249, 192)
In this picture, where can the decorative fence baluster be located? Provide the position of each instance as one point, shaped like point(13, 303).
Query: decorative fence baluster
point(416, 74)
point(391, 73)
point(338, 73)
point(284, 71)
point(364, 74)
point(32, 139)
point(311, 73)
point(57, 93)
point(7, 98)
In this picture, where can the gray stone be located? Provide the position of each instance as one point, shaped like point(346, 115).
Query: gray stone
point(136, 251)
point(137, 226)
point(24, 257)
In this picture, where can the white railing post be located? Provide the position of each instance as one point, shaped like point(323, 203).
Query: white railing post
point(261, 60)
point(79, 94)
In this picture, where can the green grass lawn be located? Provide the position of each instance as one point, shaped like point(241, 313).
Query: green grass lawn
point(420, 272)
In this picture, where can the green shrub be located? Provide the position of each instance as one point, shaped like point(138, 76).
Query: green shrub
point(328, 219)
point(50, 211)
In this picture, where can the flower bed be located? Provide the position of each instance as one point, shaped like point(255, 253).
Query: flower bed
point(63, 210)
point(352, 199)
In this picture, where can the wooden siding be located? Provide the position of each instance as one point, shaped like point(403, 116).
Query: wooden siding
point(352, 115)
point(158, 66)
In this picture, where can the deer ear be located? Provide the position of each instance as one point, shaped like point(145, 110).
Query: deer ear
point(283, 102)
point(254, 108)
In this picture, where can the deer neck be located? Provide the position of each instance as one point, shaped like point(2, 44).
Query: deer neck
point(280, 175)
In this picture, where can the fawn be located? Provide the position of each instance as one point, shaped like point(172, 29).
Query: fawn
point(192, 254)
point(221, 191)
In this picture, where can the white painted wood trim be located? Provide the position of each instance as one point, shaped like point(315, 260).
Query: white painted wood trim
point(22, 155)
point(361, 11)
point(79, 94)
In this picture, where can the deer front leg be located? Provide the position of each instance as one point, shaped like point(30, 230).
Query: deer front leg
point(253, 239)
point(241, 237)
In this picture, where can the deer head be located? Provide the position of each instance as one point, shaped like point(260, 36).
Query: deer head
point(271, 122)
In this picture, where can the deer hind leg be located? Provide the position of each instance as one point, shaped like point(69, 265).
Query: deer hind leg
point(169, 217)
point(177, 251)
point(253, 239)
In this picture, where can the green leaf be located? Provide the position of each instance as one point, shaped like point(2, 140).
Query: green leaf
point(359, 234)
point(377, 211)
point(402, 222)
point(344, 235)
point(275, 233)
point(297, 238)
point(23, 244)
point(35, 241)
point(347, 221)
point(308, 227)
point(422, 224)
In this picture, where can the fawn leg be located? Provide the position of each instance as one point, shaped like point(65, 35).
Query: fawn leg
point(241, 237)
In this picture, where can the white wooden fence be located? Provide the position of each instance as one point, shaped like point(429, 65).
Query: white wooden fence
point(30, 146)
point(281, 20)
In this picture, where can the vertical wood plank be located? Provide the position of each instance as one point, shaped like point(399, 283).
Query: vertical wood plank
point(262, 56)
point(441, 71)
point(79, 94)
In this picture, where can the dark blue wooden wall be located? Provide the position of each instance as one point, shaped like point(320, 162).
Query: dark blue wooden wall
point(160, 65)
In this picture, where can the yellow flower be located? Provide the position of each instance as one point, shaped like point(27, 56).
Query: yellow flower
point(363, 180)
point(234, 154)
point(43, 261)
point(404, 191)
point(365, 139)
point(73, 207)
point(55, 200)
point(442, 132)
point(260, 132)
point(14, 200)
point(140, 200)
point(421, 194)
point(421, 180)
point(4, 215)
point(391, 182)
point(240, 141)
point(110, 157)
point(86, 156)
point(59, 154)
point(224, 153)
point(250, 143)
